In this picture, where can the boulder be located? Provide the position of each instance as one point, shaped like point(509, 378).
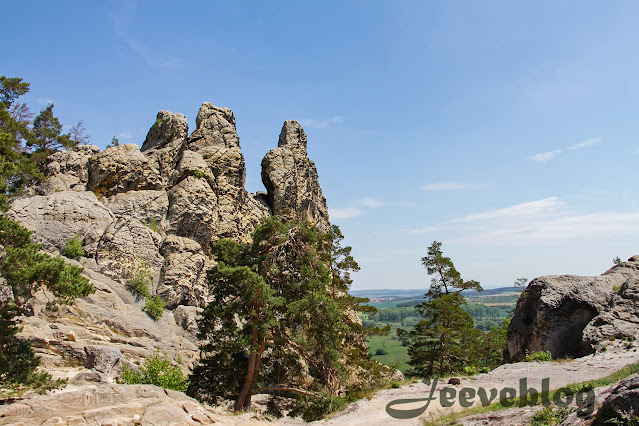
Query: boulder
point(554, 312)
point(623, 401)
point(291, 180)
point(67, 170)
point(102, 358)
point(169, 130)
point(120, 169)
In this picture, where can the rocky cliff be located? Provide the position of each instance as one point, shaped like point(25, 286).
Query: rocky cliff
point(573, 316)
point(157, 208)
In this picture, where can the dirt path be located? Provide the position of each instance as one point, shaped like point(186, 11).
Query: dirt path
point(558, 374)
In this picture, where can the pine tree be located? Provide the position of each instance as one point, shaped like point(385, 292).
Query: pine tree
point(16, 169)
point(274, 325)
point(444, 339)
point(47, 137)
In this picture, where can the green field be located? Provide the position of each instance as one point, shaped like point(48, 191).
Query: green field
point(487, 310)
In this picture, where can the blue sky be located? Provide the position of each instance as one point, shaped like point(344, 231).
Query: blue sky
point(506, 130)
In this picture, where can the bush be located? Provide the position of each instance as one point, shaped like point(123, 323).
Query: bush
point(550, 416)
point(73, 249)
point(154, 307)
point(153, 224)
point(381, 351)
point(198, 174)
point(139, 281)
point(156, 371)
point(539, 356)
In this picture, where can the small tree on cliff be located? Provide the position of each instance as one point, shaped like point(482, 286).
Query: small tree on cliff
point(274, 325)
point(442, 341)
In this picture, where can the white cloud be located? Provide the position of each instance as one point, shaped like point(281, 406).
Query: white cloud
point(322, 124)
point(370, 202)
point(125, 135)
point(636, 152)
point(586, 143)
point(451, 186)
point(537, 222)
point(545, 156)
point(345, 213)
point(44, 101)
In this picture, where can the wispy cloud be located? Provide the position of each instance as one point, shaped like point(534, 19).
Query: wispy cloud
point(451, 186)
point(345, 213)
point(125, 135)
point(546, 156)
point(357, 208)
point(322, 124)
point(44, 101)
point(118, 22)
point(536, 222)
point(370, 202)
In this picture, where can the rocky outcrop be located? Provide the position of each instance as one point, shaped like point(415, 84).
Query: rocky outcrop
point(59, 216)
point(109, 404)
point(158, 208)
point(291, 180)
point(623, 402)
point(570, 315)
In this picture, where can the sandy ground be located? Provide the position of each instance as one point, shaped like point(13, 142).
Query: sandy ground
point(371, 412)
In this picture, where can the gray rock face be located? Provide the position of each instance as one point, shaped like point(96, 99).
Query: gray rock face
point(126, 245)
point(102, 358)
point(120, 169)
point(291, 180)
point(569, 315)
point(110, 404)
point(67, 170)
point(169, 130)
point(62, 215)
point(182, 280)
point(623, 401)
point(147, 206)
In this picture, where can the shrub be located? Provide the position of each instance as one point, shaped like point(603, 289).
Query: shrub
point(550, 416)
point(198, 174)
point(381, 351)
point(539, 356)
point(153, 224)
point(139, 281)
point(154, 307)
point(156, 371)
point(73, 248)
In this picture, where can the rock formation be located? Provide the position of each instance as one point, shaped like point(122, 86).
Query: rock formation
point(571, 315)
point(158, 208)
point(291, 180)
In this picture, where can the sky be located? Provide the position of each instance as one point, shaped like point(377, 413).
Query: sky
point(506, 130)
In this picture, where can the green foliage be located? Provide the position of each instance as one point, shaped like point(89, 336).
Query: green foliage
point(154, 307)
point(114, 142)
point(156, 371)
point(381, 350)
point(550, 415)
point(73, 248)
point(616, 261)
point(26, 269)
point(17, 361)
point(198, 174)
point(445, 340)
point(17, 169)
point(46, 136)
point(539, 356)
point(138, 282)
point(279, 321)
point(153, 224)
point(521, 282)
